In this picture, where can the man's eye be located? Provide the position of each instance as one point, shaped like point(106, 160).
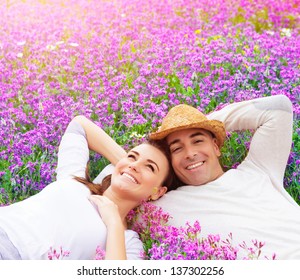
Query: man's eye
point(174, 150)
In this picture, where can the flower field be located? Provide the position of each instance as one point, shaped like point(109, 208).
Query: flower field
point(163, 241)
point(124, 63)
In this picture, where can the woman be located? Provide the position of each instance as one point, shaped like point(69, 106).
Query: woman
point(67, 214)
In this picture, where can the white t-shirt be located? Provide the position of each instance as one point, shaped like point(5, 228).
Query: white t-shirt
point(250, 202)
point(61, 214)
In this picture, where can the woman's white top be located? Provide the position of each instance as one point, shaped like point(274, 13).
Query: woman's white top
point(61, 214)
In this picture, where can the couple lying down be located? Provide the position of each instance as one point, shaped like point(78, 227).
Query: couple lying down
point(249, 201)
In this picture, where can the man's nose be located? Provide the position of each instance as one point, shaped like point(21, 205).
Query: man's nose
point(190, 153)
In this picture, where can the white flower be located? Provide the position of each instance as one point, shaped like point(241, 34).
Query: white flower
point(286, 32)
point(74, 44)
point(50, 47)
point(270, 32)
point(21, 43)
point(134, 134)
point(194, 76)
point(41, 107)
point(19, 55)
point(3, 122)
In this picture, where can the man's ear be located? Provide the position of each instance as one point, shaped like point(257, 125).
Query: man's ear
point(159, 192)
point(216, 147)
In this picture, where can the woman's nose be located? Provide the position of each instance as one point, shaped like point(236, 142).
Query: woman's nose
point(134, 166)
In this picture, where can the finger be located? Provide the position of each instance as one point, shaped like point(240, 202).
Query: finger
point(104, 199)
point(97, 201)
point(96, 198)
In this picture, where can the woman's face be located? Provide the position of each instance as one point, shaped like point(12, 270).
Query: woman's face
point(139, 175)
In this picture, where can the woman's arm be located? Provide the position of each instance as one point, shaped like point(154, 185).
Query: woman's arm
point(99, 141)
point(73, 153)
point(115, 240)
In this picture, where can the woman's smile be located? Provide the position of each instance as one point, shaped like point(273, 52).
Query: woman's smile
point(130, 177)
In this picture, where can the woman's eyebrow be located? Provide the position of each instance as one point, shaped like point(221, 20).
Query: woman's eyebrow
point(149, 160)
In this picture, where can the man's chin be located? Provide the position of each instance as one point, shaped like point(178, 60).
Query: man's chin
point(193, 182)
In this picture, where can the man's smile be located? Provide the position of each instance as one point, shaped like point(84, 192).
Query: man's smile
point(195, 165)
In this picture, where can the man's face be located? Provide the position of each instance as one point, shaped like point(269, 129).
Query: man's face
point(194, 154)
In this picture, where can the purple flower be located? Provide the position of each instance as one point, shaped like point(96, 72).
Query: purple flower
point(166, 242)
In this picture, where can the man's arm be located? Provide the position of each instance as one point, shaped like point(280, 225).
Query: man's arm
point(272, 119)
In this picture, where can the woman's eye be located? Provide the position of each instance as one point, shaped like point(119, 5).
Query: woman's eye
point(199, 141)
point(150, 167)
point(131, 156)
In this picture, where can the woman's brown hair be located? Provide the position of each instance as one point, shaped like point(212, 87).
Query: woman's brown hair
point(171, 181)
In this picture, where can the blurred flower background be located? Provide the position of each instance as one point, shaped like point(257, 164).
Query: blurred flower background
point(124, 63)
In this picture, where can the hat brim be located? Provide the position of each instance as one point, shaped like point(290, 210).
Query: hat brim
point(214, 126)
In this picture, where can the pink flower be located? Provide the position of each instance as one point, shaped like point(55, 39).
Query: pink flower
point(54, 254)
point(100, 254)
point(165, 242)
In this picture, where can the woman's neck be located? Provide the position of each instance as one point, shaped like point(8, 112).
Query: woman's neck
point(124, 206)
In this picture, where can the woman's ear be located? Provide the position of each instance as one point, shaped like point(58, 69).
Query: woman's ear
point(160, 191)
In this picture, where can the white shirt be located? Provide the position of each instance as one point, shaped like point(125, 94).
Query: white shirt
point(61, 214)
point(250, 202)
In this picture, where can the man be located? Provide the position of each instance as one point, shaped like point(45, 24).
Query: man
point(250, 201)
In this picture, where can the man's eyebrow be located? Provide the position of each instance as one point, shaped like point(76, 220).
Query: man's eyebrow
point(149, 160)
point(198, 133)
point(174, 142)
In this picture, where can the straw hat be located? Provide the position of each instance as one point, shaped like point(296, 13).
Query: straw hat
point(183, 117)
